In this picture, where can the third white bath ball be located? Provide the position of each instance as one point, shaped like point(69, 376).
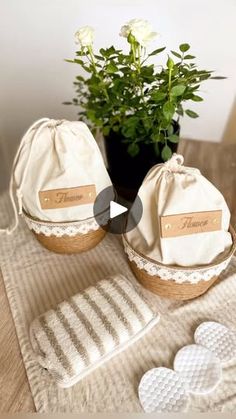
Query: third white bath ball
point(200, 368)
point(162, 390)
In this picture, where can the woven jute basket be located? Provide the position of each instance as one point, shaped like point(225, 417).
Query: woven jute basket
point(170, 288)
point(65, 243)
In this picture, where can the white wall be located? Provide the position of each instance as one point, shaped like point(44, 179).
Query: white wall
point(36, 35)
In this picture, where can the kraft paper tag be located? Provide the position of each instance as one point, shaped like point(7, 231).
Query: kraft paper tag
point(190, 223)
point(67, 197)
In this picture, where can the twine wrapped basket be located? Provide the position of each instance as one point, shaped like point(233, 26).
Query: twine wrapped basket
point(184, 239)
point(176, 282)
point(70, 237)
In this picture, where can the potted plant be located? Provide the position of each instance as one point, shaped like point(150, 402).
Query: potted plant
point(134, 103)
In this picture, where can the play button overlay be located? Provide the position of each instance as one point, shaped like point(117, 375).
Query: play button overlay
point(120, 215)
point(116, 209)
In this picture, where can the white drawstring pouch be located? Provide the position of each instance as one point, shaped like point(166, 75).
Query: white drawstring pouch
point(185, 224)
point(57, 174)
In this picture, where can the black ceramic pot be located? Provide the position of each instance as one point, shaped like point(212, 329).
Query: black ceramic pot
point(126, 172)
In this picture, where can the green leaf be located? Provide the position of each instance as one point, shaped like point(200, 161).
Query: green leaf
point(158, 96)
point(80, 53)
point(176, 54)
point(69, 61)
point(77, 61)
point(157, 51)
point(133, 149)
point(99, 57)
point(178, 90)
point(155, 137)
point(125, 70)
point(110, 50)
point(80, 78)
point(147, 123)
point(166, 153)
point(168, 110)
point(91, 115)
point(218, 78)
point(111, 67)
point(189, 57)
point(103, 52)
point(192, 114)
point(106, 130)
point(180, 110)
point(196, 98)
point(170, 130)
point(147, 71)
point(173, 138)
point(204, 77)
point(129, 126)
point(184, 47)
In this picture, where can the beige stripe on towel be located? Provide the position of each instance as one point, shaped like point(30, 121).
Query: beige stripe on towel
point(73, 336)
point(117, 309)
point(129, 301)
point(99, 312)
point(61, 355)
point(88, 326)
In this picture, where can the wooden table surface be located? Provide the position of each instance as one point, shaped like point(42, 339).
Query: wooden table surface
point(217, 162)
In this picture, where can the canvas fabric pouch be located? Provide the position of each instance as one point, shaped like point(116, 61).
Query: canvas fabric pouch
point(58, 171)
point(81, 334)
point(185, 218)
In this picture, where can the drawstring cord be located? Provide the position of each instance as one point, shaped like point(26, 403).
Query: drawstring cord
point(19, 195)
point(175, 162)
point(175, 165)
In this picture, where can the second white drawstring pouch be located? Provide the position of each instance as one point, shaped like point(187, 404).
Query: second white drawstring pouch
point(184, 239)
point(185, 219)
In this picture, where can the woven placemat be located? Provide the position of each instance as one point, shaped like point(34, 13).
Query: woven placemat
point(36, 280)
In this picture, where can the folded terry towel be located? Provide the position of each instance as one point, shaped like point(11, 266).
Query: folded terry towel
point(90, 328)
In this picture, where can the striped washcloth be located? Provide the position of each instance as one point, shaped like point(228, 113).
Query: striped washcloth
point(90, 328)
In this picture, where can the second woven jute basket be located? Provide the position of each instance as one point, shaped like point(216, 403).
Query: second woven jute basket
point(175, 282)
point(69, 237)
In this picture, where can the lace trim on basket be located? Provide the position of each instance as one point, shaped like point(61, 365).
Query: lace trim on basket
point(67, 229)
point(192, 276)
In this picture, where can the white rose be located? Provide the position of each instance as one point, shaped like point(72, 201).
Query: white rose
point(125, 31)
point(140, 29)
point(85, 36)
